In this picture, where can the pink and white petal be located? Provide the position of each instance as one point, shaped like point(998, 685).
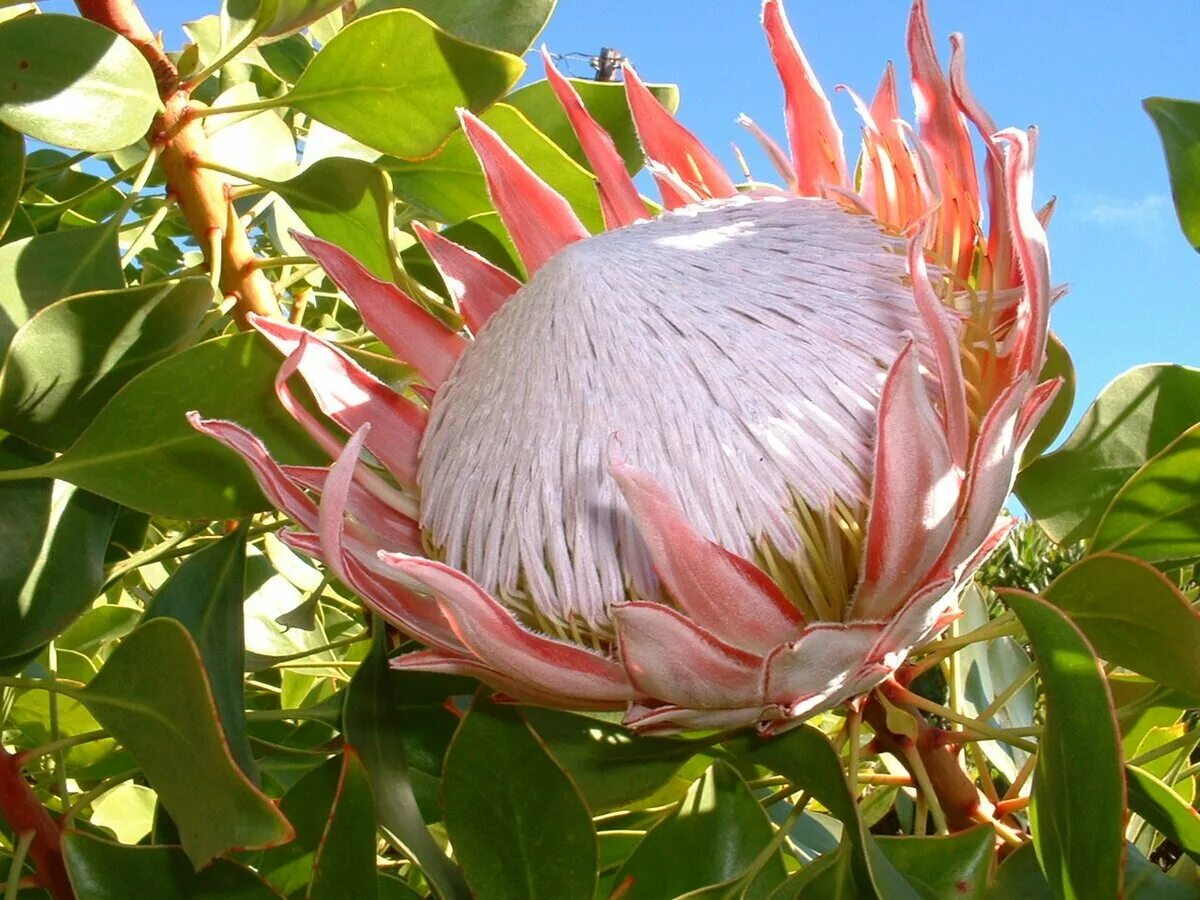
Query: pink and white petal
point(666, 141)
point(479, 287)
point(921, 618)
point(669, 719)
point(492, 634)
point(351, 396)
point(914, 491)
point(284, 494)
point(990, 476)
point(619, 198)
point(775, 153)
point(671, 658)
point(907, 205)
point(413, 334)
point(1037, 406)
point(416, 615)
point(390, 528)
point(725, 594)
point(1029, 238)
point(828, 663)
point(671, 187)
point(813, 132)
point(944, 332)
point(516, 691)
point(538, 218)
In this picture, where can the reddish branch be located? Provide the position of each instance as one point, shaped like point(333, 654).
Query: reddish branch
point(24, 813)
point(203, 195)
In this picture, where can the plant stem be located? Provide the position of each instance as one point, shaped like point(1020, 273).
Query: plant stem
point(202, 195)
point(20, 807)
point(25, 757)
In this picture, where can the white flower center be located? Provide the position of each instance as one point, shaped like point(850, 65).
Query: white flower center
point(738, 349)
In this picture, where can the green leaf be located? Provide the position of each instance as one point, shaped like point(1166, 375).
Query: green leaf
point(205, 596)
point(517, 823)
point(956, 865)
point(1178, 124)
point(244, 20)
point(397, 724)
point(1156, 514)
point(1153, 800)
point(344, 864)
point(12, 173)
point(1058, 365)
point(511, 25)
point(611, 765)
point(1134, 616)
point(164, 466)
point(450, 187)
point(333, 853)
point(67, 361)
point(1144, 880)
point(347, 202)
point(52, 542)
point(807, 759)
point(394, 80)
point(71, 82)
point(1135, 417)
point(169, 723)
point(1020, 878)
point(714, 835)
point(606, 103)
point(35, 271)
point(1077, 813)
point(102, 870)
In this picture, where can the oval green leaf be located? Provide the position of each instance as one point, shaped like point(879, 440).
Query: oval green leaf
point(517, 823)
point(1077, 832)
point(394, 80)
point(71, 82)
point(450, 187)
point(955, 865)
point(141, 451)
point(712, 838)
point(1178, 124)
point(1156, 514)
point(52, 554)
point(205, 596)
point(12, 173)
point(169, 724)
point(1153, 800)
point(102, 870)
point(511, 25)
point(1135, 417)
point(1134, 616)
point(67, 361)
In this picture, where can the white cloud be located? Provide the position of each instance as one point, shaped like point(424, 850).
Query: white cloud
point(1142, 216)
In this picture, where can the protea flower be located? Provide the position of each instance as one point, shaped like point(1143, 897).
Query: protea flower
point(725, 465)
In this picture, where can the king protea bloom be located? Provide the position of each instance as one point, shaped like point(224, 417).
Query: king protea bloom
point(727, 464)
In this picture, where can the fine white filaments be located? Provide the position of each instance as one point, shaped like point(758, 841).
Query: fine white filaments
point(736, 347)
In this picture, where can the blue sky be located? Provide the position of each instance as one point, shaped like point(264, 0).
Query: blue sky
point(1077, 68)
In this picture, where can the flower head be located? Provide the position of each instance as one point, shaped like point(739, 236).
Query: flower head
point(725, 465)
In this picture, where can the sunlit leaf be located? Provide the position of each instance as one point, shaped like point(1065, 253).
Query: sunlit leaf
point(1154, 801)
point(1156, 514)
point(1178, 123)
point(68, 360)
point(100, 95)
point(52, 542)
point(258, 144)
point(1077, 833)
point(400, 101)
point(1134, 616)
point(169, 724)
point(244, 20)
point(517, 823)
point(1135, 417)
point(511, 25)
point(165, 467)
point(955, 865)
point(36, 271)
point(607, 105)
point(450, 187)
